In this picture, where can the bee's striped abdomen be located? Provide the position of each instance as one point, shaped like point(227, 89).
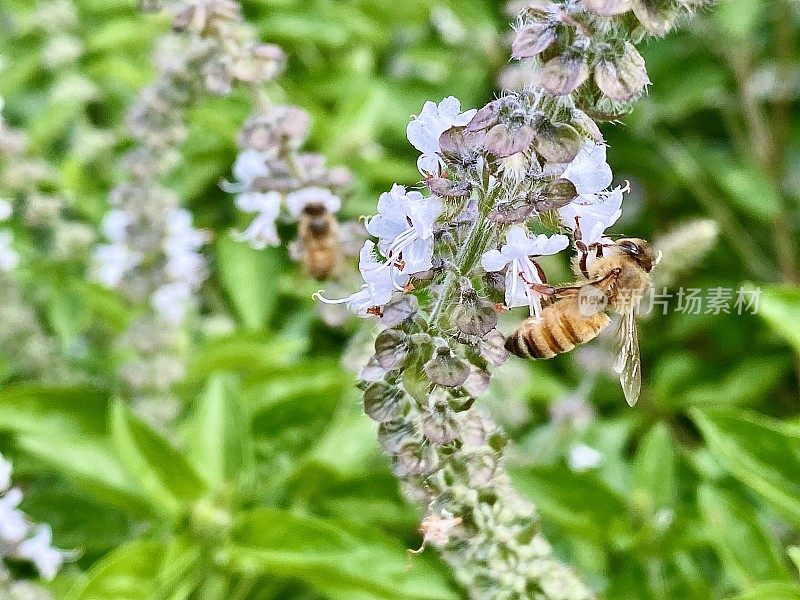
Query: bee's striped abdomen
point(559, 330)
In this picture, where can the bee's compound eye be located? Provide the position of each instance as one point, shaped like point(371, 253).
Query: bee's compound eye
point(630, 247)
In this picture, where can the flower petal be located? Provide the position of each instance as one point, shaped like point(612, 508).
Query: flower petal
point(589, 171)
point(493, 260)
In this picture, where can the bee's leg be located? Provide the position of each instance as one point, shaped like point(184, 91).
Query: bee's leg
point(581, 247)
point(607, 281)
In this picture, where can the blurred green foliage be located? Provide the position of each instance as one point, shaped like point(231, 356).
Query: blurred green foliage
point(273, 486)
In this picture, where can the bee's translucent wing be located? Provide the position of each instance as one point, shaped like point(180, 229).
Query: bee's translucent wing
point(628, 363)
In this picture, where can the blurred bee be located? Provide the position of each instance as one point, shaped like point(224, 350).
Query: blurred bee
point(614, 275)
point(318, 235)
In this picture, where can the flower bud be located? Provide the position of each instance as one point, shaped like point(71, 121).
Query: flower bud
point(477, 382)
point(493, 348)
point(657, 16)
point(586, 125)
point(229, 10)
point(622, 78)
point(563, 74)
point(457, 144)
point(414, 459)
point(383, 402)
point(393, 435)
point(556, 194)
point(447, 188)
point(558, 142)
point(474, 431)
point(399, 309)
point(475, 316)
point(447, 369)
point(391, 349)
point(532, 38)
point(439, 426)
point(485, 117)
point(184, 18)
point(504, 140)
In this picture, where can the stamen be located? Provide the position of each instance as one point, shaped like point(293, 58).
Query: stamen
point(318, 296)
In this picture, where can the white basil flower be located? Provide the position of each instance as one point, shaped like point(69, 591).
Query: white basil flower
point(425, 129)
point(594, 213)
point(171, 301)
point(589, 171)
point(297, 201)
point(261, 232)
point(112, 262)
point(39, 550)
point(9, 259)
point(116, 223)
point(404, 227)
point(5, 209)
point(595, 208)
point(249, 166)
point(521, 271)
point(379, 284)
point(5, 474)
point(583, 458)
point(13, 525)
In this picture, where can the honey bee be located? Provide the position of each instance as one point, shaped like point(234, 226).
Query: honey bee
point(612, 275)
point(318, 248)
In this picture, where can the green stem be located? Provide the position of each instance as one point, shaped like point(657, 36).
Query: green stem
point(473, 247)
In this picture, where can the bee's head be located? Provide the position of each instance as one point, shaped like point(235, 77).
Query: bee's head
point(639, 251)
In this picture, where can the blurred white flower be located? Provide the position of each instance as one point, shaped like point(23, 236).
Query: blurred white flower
point(171, 301)
point(111, 262)
point(5, 474)
point(249, 166)
point(404, 228)
point(39, 550)
point(521, 271)
point(583, 458)
point(181, 246)
point(261, 232)
point(425, 129)
point(5, 209)
point(116, 223)
point(297, 201)
point(9, 259)
point(13, 525)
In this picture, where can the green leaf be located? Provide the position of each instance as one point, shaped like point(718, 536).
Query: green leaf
point(762, 453)
point(163, 472)
point(250, 280)
point(219, 434)
point(780, 307)
point(794, 555)
point(337, 560)
point(742, 543)
point(66, 429)
point(771, 591)
point(580, 503)
point(47, 410)
point(654, 477)
point(738, 386)
point(244, 355)
point(126, 574)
